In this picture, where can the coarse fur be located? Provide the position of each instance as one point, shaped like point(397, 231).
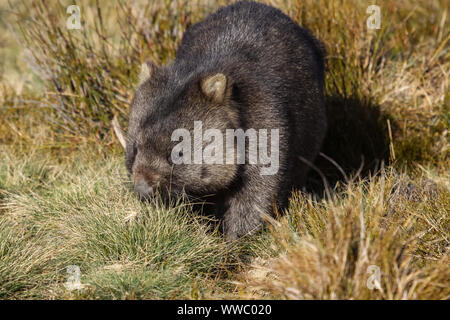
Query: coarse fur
point(271, 76)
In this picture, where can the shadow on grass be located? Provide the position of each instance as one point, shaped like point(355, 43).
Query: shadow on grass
point(356, 143)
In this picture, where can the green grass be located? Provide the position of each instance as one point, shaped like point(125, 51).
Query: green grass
point(83, 213)
point(65, 196)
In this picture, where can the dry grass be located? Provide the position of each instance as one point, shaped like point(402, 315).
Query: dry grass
point(65, 197)
point(328, 247)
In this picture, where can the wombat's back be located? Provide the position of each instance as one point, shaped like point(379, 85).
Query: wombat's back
point(279, 69)
point(255, 33)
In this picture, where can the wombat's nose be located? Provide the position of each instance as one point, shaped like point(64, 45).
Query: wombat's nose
point(143, 189)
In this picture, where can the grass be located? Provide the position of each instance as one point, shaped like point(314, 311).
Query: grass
point(329, 247)
point(65, 196)
point(80, 213)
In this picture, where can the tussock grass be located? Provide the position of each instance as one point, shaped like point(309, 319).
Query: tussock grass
point(83, 215)
point(329, 246)
point(88, 72)
point(65, 197)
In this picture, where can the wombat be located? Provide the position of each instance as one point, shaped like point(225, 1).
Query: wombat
point(248, 66)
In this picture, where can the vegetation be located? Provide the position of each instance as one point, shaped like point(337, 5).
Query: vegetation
point(378, 198)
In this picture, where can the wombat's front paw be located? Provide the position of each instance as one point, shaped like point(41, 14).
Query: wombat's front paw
point(236, 225)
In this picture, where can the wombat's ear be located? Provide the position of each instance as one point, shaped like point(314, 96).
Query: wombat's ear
point(146, 71)
point(214, 87)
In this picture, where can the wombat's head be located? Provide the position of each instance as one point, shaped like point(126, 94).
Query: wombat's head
point(160, 156)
